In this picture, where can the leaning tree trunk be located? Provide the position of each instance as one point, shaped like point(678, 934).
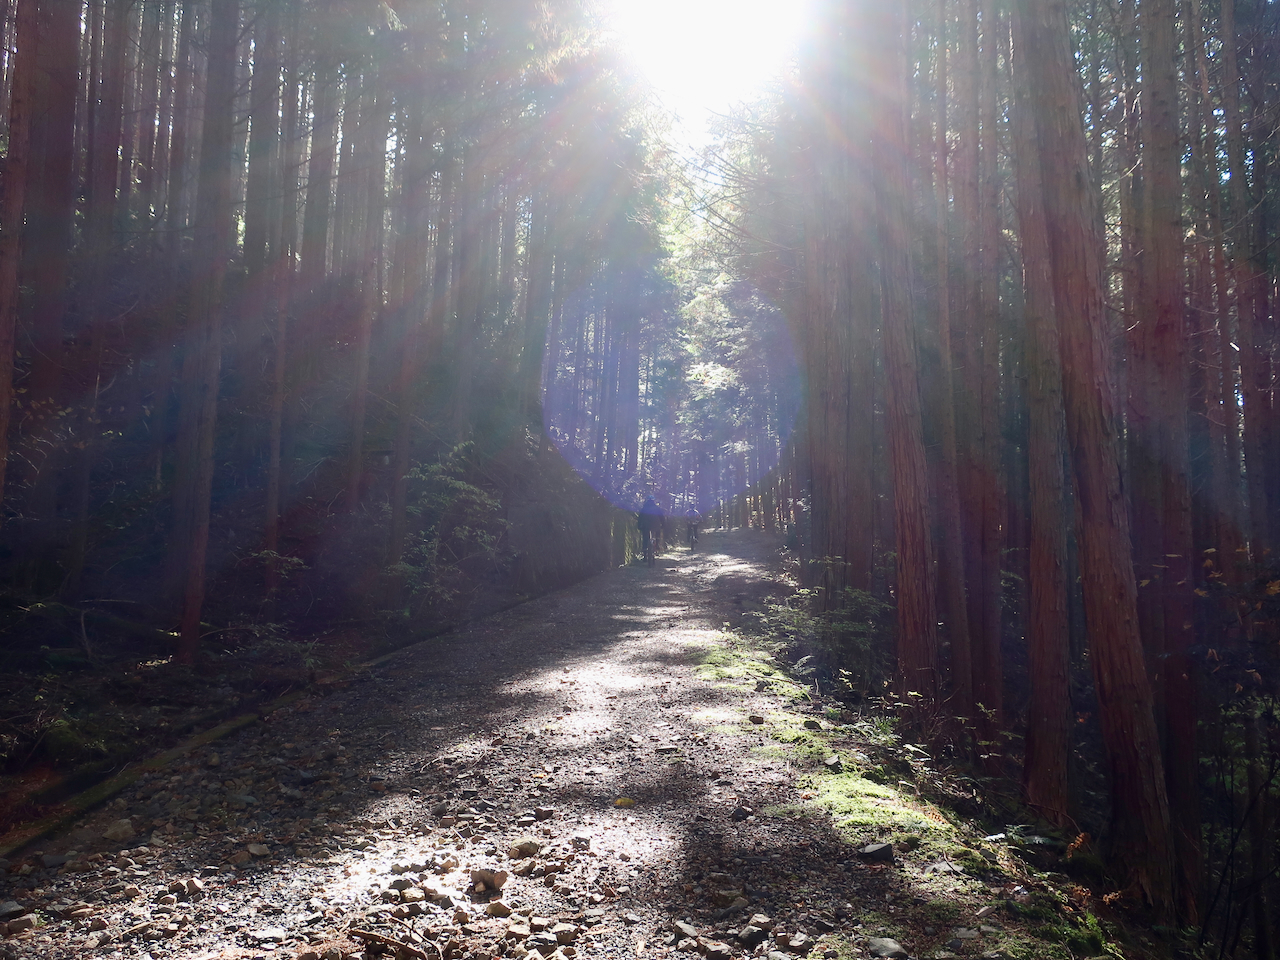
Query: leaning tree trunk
point(202, 361)
point(1141, 840)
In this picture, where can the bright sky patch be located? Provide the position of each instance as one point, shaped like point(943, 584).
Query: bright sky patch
point(702, 56)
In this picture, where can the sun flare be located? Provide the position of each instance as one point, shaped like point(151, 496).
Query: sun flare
point(702, 56)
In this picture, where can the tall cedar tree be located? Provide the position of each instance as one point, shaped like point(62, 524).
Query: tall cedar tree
point(1141, 836)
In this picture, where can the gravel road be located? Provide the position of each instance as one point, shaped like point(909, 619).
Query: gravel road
point(572, 777)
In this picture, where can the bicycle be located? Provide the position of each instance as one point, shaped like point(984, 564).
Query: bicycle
point(649, 558)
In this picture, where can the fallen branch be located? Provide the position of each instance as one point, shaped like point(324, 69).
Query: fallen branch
point(382, 938)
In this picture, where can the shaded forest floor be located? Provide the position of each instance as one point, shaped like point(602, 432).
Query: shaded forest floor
point(619, 769)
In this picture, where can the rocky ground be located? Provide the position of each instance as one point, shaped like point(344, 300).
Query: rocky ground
point(610, 771)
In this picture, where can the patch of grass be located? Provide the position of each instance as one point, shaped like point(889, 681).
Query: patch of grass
point(856, 802)
point(845, 948)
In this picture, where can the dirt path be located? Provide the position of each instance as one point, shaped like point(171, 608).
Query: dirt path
point(611, 729)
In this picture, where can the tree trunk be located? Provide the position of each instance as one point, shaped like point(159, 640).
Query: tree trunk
point(374, 130)
point(917, 609)
point(289, 160)
point(1140, 836)
point(51, 205)
point(1045, 775)
point(967, 361)
point(315, 221)
point(202, 361)
point(951, 594)
point(101, 218)
point(419, 308)
point(838, 308)
point(1167, 353)
point(986, 617)
point(12, 213)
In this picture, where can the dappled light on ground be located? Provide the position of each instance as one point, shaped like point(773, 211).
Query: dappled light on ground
point(615, 758)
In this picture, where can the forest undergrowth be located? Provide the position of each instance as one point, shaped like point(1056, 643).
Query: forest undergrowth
point(92, 686)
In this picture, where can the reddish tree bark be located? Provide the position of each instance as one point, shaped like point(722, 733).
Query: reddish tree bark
point(917, 607)
point(1140, 836)
point(1045, 769)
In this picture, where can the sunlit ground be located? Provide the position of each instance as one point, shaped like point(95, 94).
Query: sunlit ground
point(702, 56)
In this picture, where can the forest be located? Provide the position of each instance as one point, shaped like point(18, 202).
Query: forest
point(321, 314)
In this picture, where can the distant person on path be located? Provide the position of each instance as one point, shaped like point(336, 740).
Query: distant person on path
point(694, 519)
point(650, 523)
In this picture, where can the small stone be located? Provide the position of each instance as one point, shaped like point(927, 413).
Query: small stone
point(518, 931)
point(496, 908)
point(756, 718)
point(581, 841)
point(525, 847)
point(943, 866)
point(544, 813)
point(195, 887)
point(987, 929)
point(10, 909)
point(240, 857)
point(833, 764)
point(214, 760)
point(564, 933)
point(877, 852)
point(761, 920)
point(19, 924)
point(752, 936)
point(812, 725)
point(119, 831)
point(259, 850)
point(131, 891)
point(964, 933)
point(798, 943)
point(714, 950)
point(986, 911)
point(684, 930)
point(887, 948)
point(488, 879)
point(270, 935)
point(53, 861)
point(740, 813)
point(630, 919)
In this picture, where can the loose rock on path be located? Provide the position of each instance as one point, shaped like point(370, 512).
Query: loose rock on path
point(560, 778)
